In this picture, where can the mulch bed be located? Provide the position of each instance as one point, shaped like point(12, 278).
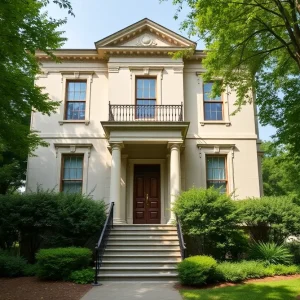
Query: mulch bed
point(31, 288)
point(179, 286)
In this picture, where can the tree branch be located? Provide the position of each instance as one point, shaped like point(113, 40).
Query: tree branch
point(279, 38)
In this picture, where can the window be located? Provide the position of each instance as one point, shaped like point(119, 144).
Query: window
point(216, 172)
point(213, 107)
point(72, 173)
point(76, 100)
point(145, 98)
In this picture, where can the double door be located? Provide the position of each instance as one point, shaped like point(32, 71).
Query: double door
point(146, 200)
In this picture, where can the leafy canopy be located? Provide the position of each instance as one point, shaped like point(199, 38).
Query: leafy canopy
point(280, 171)
point(253, 44)
point(24, 28)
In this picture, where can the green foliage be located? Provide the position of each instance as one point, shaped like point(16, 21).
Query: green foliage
point(282, 214)
point(24, 28)
point(30, 270)
point(82, 276)
point(48, 219)
point(59, 263)
point(256, 44)
point(239, 271)
point(210, 216)
point(196, 270)
point(11, 266)
point(280, 171)
point(284, 270)
point(294, 248)
point(190, 272)
point(287, 289)
point(271, 253)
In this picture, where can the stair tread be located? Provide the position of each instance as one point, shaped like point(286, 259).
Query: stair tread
point(140, 262)
point(138, 268)
point(136, 244)
point(142, 233)
point(137, 275)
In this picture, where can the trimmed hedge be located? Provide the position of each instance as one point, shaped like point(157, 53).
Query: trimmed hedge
point(59, 263)
point(191, 271)
point(196, 270)
point(82, 276)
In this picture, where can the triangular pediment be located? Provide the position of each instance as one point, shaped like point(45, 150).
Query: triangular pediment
point(145, 33)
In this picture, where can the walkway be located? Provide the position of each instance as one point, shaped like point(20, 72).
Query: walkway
point(133, 291)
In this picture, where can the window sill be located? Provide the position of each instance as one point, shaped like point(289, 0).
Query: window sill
point(86, 122)
point(227, 123)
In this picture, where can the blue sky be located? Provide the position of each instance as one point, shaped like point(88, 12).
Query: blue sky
point(96, 19)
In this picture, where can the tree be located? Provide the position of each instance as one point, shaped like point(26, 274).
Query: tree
point(281, 173)
point(24, 28)
point(253, 44)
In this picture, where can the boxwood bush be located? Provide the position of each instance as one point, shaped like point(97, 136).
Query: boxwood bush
point(82, 276)
point(59, 263)
point(196, 270)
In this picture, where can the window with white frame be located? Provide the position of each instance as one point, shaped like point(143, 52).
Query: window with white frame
point(216, 173)
point(75, 100)
point(72, 173)
point(213, 106)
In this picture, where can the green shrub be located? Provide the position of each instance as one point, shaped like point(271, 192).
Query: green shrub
point(11, 266)
point(30, 270)
point(83, 276)
point(59, 263)
point(271, 253)
point(46, 220)
point(209, 218)
point(280, 214)
point(294, 248)
point(284, 270)
point(239, 271)
point(196, 270)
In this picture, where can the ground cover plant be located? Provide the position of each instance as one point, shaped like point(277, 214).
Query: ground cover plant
point(287, 289)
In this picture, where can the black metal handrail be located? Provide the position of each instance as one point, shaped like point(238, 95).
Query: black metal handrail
point(180, 237)
point(152, 113)
point(101, 245)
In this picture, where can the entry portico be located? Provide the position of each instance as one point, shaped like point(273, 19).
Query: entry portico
point(145, 169)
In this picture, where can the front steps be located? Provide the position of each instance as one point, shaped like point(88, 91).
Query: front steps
point(141, 252)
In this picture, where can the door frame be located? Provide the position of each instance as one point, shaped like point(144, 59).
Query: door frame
point(129, 194)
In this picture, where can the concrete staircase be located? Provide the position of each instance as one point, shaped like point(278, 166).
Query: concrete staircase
point(141, 252)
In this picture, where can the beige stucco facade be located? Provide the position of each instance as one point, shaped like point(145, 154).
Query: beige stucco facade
point(111, 147)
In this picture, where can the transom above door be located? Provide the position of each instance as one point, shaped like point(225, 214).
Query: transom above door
point(146, 196)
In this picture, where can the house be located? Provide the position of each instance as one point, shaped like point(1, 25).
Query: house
point(136, 126)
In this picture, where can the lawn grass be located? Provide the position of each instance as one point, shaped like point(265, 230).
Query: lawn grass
point(273, 290)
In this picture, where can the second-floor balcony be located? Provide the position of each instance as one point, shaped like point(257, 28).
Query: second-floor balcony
point(145, 113)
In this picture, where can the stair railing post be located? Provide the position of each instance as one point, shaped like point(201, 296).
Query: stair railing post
point(112, 217)
point(96, 283)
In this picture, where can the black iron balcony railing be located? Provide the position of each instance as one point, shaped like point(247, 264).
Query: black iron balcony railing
point(155, 113)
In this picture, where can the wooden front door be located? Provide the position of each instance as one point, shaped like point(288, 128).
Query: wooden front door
point(146, 201)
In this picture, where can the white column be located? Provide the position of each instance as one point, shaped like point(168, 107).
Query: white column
point(115, 181)
point(174, 177)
